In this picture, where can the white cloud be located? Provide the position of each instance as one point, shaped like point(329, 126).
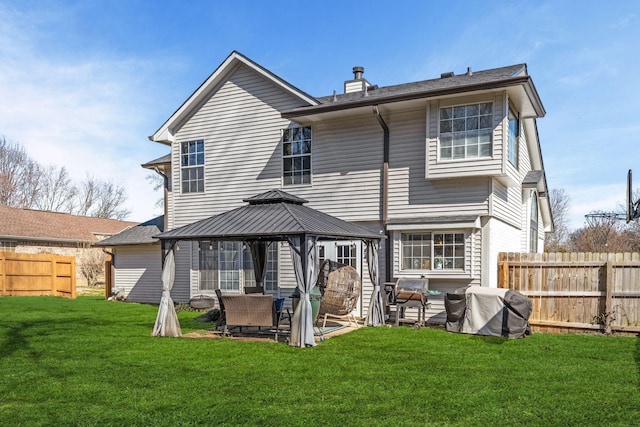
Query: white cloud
point(84, 113)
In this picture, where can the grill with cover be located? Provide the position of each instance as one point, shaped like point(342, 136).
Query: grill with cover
point(409, 292)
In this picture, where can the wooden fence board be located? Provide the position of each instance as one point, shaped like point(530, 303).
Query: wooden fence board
point(577, 292)
point(37, 274)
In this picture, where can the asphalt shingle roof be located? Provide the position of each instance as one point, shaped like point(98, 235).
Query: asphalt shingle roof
point(476, 80)
point(477, 77)
point(140, 234)
point(42, 225)
point(159, 161)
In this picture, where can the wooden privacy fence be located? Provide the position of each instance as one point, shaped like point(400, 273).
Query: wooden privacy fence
point(37, 274)
point(576, 292)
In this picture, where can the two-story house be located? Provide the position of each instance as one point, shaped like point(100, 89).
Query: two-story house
point(448, 169)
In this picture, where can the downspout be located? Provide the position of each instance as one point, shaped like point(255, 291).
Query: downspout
point(385, 193)
point(166, 197)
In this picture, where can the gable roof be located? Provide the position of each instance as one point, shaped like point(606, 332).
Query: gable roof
point(273, 215)
point(513, 77)
point(165, 133)
point(141, 234)
point(29, 224)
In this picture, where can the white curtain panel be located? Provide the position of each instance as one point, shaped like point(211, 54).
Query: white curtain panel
point(375, 315)
point(305, 263)
point(167, 324)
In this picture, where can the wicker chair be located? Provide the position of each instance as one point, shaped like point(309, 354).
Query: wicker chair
point(340, 293)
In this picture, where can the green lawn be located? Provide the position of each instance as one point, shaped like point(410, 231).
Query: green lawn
point(93, 362)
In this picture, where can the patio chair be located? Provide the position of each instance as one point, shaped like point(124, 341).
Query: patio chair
point(280, 312)
point(341, 295)
point(248, 310)
point(223, 314)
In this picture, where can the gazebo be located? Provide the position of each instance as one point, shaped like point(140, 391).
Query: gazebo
point(274, 216)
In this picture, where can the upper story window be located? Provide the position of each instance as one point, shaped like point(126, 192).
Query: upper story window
point(296, 156)
point(533, 224)
point(429, 251)
point(192, 166)
point(465, 131)
point(514, 134)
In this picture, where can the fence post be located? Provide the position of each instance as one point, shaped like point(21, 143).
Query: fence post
point(503, 270)
point(108, 278)
point(2, 276)
point(608, 302)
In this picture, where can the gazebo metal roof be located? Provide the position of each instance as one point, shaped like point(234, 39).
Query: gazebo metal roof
point(273, 215)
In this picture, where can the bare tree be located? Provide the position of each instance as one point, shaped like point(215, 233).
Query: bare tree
point(56, 192)
point(102, 199)
point(559, 239)
point(18, 175)
point(91, 266)
point(110, 200)
point(158, 184)
point(24, 183)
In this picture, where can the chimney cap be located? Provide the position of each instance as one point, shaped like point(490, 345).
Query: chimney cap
point(358, 71)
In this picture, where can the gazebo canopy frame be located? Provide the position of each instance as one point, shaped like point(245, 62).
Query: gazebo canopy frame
point(279, 216)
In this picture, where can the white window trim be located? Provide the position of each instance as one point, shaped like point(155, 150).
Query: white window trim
point(282, 156)
point(533, 196)
point(432, 272)
point(182, 167)
point(439, 159)
point(516, 114)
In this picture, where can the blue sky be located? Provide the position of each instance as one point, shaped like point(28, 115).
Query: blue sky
point(83, 83)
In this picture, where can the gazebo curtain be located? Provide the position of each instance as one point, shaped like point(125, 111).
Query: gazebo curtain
point(259, 255)
point(375, 315)
point(167, 324)
point(305, 263)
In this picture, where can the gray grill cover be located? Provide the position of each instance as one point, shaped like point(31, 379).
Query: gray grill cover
point(488, 311)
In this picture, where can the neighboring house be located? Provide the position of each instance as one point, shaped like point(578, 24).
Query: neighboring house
point(449, 170)
point(137, 261)
point(40, 232)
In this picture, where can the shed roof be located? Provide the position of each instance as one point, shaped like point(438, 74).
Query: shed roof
point(166, 159)
point(29, 224)
point(274, 215)
point(141, 234)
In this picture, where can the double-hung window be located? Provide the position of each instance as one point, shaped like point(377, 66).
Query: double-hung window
point(296, 156)
point(228, 266)
point(465, 131)
point(433, 251)
point(514, 133)
point(192, 166)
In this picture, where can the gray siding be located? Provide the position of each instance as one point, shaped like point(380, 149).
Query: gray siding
point(138, 271)
point(180, 292)
point(241, 127)
point(410, 193)
point(347, 163)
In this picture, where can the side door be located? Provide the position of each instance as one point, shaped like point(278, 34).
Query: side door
point(347, 252)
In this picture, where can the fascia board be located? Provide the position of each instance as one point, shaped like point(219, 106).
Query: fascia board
point(437, 226)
